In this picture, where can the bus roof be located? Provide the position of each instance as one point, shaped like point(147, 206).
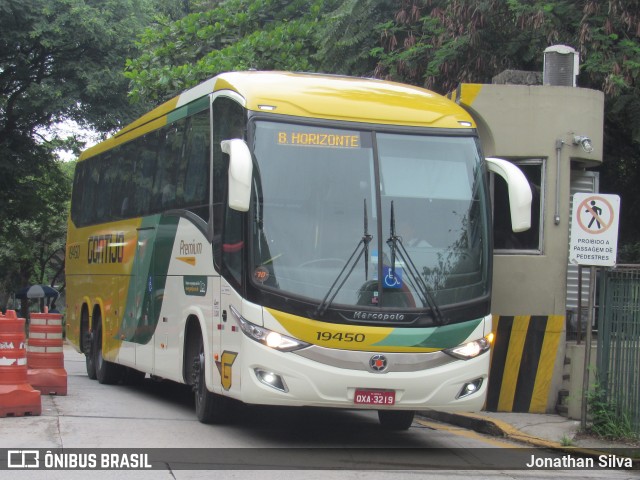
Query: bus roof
point(310, 95)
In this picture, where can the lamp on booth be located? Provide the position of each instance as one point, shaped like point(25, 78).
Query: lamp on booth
point(584, 142)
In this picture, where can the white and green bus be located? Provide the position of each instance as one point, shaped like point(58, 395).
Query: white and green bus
point(290, 239)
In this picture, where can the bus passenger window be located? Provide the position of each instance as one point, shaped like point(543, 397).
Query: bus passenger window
point(196, 180)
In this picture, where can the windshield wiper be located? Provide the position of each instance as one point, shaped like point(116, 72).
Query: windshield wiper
point(395, 244)
point(363, 248)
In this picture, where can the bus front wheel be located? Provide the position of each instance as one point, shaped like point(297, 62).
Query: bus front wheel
point(396, 419)
point(210, 407)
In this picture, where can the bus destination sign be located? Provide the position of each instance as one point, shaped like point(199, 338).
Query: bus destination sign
point(318, 139)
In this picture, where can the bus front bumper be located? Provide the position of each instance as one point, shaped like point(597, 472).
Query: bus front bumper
point(270, 377)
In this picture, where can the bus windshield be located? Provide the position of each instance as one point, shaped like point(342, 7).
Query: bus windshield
point(385, 219)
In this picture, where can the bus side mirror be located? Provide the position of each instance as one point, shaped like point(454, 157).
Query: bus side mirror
point(519, 192)
point(240, 172)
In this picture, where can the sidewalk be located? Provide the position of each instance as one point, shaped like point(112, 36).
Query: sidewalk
point(538, 430)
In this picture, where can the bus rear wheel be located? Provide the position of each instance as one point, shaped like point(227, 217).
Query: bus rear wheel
point(87, 344)
point(210, 407)
point(396, 419)
point(106, 372)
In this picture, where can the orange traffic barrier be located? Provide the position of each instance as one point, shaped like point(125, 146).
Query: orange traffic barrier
point(17, 397)
point(45, 357)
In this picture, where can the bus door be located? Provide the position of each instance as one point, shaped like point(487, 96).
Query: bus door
point(228, 370)
point(140, 303)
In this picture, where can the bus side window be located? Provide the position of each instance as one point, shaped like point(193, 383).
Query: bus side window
point(228, 122)
point(164, 186)
point(144, 169)
point(196, 176)
point(80, 194)
point(93, 190)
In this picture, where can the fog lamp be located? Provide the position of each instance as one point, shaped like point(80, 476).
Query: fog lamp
point(470, 388)
point(271, 379)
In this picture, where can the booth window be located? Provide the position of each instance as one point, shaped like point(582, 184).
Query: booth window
point(505, 240)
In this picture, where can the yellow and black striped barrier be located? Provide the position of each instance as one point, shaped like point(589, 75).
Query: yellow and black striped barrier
point(522, 362)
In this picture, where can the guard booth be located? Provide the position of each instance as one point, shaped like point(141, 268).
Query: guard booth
point(554, 133)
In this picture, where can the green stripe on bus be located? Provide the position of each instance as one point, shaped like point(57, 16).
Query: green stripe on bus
point(156, 236)
point(188, 109)
point(447, 336)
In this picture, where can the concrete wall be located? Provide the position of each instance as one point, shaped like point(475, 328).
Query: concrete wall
point(529, 291)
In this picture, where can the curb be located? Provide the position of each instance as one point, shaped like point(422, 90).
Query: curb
point(497, 428)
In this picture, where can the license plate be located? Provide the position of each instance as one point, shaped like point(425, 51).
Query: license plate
point(374, 397)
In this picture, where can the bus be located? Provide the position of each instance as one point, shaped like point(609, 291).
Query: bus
point(290, 239)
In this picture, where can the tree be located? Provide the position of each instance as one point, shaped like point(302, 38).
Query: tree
point(32, 249)
point(347, 36)
point(236, 35)
point(439, 44)
point(333, 36)
point(59, 59)
point(50, 72)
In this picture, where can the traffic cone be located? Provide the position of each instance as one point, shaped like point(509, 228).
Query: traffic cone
point(17, 397)
point(45, 356)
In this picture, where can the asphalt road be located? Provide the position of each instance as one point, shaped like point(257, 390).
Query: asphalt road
point(263, 442)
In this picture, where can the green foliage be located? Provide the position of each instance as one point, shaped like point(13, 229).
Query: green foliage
point(347, 37)
point(63, 59)
point(566, 441)
point(59, 59)
point(32, 246)
point(442, 43)
point(236, 35)
point(629, 253)
point(607, 420)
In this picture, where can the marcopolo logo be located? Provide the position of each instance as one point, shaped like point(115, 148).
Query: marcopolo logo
point(359, 315)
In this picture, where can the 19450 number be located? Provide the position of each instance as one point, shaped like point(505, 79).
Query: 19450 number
point(340, 337)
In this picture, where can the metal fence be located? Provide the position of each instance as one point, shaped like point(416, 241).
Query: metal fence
point(618, 362)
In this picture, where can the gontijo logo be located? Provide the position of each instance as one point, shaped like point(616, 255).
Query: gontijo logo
point(107, 248)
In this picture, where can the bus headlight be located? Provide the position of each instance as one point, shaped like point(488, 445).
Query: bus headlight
point(267, 337)
point(472, 349)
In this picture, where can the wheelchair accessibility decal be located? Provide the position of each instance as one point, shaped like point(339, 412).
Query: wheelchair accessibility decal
point(392, 279)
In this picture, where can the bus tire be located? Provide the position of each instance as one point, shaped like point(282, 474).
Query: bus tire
point(396, 419)
point(210, 407)
point(107, 373)
point(86, 337)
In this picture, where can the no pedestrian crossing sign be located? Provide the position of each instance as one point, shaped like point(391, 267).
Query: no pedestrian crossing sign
point(594, 229)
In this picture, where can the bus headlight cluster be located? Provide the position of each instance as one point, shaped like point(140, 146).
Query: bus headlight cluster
point(267, 337)
point(472, 349)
